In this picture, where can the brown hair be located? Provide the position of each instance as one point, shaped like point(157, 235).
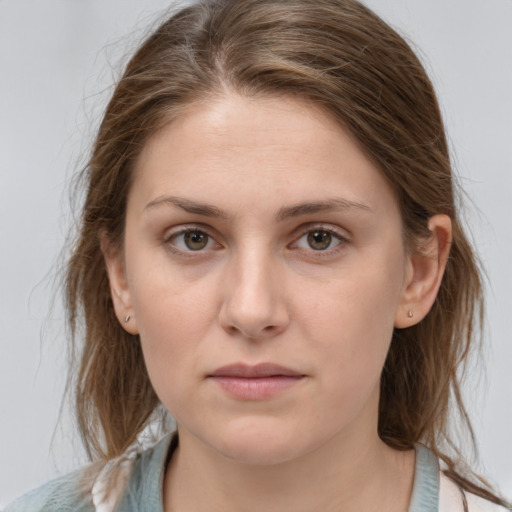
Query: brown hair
point(342, 57)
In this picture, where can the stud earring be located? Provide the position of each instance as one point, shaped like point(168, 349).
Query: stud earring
point(410, 314)
point(127, 318)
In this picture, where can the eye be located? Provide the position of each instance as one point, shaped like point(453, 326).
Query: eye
point(319, 239)
point(193, 240)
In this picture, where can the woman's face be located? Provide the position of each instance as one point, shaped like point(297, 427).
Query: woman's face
point(264, 269)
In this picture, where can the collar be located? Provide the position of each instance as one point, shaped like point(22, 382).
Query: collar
point(144, 489)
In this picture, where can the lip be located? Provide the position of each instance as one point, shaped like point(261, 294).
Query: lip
point(259, 382)
point(255, 371)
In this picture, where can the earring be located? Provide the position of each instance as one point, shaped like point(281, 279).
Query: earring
point(410, 314)
point(127, 318)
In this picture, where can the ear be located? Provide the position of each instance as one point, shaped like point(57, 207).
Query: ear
point(119, 289)
point(425, 269)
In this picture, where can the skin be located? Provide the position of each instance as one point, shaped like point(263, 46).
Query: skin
point(259, 292)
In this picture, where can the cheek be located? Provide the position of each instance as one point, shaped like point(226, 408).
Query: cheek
point(352, 321)
point(173, 315)
point(166, 299)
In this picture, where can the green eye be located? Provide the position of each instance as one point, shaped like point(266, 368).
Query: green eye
point(319, 240)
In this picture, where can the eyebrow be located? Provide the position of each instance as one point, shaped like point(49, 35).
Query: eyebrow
point(333, 204)
point(284, 213)
point(189, 206)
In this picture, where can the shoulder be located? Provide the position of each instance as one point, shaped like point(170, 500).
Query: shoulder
point(132, 476)
point(451, 500)
point(477, 504)
point(59, 495)
point(134, 480)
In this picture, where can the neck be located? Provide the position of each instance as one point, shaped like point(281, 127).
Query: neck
point(350, 476)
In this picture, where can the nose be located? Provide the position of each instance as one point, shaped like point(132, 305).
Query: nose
point(254, 305)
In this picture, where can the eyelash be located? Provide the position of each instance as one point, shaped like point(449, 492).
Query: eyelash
point(335, 234)
point(169, 238)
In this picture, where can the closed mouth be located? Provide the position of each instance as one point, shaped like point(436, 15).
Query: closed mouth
point(259, 371)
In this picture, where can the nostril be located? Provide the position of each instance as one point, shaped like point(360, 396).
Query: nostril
point(252, 317)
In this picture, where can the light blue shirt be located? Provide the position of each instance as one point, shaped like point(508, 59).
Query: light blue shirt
point(143, 492)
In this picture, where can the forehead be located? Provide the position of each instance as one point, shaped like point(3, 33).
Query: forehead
point(286, 147)
point(232, 122)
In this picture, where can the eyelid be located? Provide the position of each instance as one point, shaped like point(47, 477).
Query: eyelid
point(321, 226)
point(182, 228)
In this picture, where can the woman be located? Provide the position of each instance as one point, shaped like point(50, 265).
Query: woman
point(271, 253)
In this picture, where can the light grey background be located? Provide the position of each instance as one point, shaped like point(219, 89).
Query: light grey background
point(57, 62)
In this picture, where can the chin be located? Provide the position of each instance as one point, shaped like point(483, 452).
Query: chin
point(255, 444)
point(263, 453)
